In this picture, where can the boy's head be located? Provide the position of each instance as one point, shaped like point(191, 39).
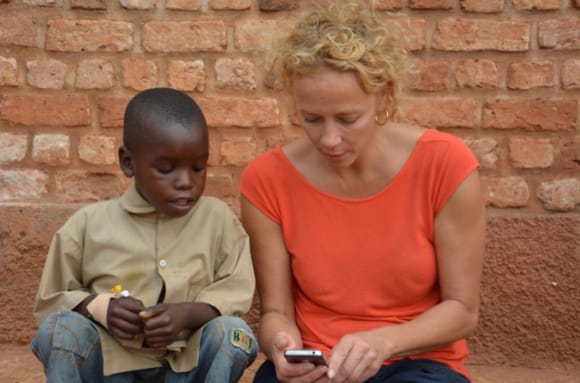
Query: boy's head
point(166, 148)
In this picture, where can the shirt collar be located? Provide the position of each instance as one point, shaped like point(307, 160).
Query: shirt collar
point(132, 202)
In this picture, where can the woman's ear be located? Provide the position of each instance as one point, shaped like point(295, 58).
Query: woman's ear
point(126, 162)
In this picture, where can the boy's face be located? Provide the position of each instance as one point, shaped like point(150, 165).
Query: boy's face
point(169, 165)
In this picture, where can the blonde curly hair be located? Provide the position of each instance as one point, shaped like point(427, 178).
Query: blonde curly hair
point(348, 37)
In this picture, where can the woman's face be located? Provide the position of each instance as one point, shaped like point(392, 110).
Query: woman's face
point(337, 114)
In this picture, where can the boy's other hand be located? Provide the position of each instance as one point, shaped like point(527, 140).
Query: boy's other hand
point(162, 323)
point(123, 317)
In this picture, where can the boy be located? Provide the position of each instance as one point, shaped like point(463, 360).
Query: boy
point(137, 289)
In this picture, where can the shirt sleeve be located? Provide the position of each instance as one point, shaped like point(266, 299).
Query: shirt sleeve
point(61, 286)
point(233, 288)
point(259, 187)
point(454, 165)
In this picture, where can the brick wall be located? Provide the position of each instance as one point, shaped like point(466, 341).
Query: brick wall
point(502, 74)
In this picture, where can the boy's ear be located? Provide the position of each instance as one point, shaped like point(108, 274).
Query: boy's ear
point(126, 162)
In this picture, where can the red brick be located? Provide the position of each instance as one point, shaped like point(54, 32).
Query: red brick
point(138, 4)
point(22, 185)
point(45, 3)
point(220, 184)
point(228, 111)
point(139, 74)
point(530, 74)
point(235, 73)
point(111, 110)
point(452, 34)
point(414, 30)
point(483, 6)
point(46, 73)
point(18, 31)
point(255, 35)
point(531, 153)
point(52, 110)
point(570, 154)
point(13, 147)
point(237, 151)
point(8, 71)
point(431, 4)
point(530, 114)
point(441, 112)
point(82, 186)
point(95, 74)
point(506, 191)
point(570, 74)
point(214, 147)
point(187, 75)
point(432, 76)
point(278, 5)
point(184, 36)
point(560, 195)
point(477, 74)
point(542, 5)
point(183, 5)
point(485, 149)
point(51, 149)
point(89, 4)
point(230, 5)
point(98, 150)
point(89, 36)
point(559, 34)
point(387, 5)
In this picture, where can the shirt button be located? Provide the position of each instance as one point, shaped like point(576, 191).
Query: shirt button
point(162, 263)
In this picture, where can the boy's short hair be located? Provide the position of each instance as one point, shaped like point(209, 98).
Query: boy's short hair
point(161, 105)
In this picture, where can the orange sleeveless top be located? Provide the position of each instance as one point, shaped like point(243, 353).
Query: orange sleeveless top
point(360, 264)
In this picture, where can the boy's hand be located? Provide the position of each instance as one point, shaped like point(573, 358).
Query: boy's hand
point(123, 318)
point(162, 323)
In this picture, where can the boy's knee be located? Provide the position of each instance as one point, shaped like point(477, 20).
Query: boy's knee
point(236, 335)
point(66, 331)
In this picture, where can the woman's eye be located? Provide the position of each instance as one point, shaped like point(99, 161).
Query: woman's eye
point(349, 120)
point(198, 169)
point(310, 120)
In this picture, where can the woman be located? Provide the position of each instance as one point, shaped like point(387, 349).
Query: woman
point(367, 235)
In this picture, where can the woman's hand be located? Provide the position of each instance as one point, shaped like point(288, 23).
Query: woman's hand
point(294, 372)
point(356, 357)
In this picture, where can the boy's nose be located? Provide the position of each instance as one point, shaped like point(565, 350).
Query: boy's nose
point(184, 180)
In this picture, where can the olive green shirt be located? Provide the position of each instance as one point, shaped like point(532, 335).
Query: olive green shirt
point(201, 257)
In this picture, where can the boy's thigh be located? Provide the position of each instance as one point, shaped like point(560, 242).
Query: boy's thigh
point(418, 371)
point(67, 331)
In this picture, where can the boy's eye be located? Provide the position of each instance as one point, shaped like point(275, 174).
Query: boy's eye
point(198, 169)
point(164, 169)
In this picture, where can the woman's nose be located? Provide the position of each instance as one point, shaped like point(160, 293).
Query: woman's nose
point(330, 135)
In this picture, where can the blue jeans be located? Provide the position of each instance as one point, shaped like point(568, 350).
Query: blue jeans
point(404, 371)
point(69, 347)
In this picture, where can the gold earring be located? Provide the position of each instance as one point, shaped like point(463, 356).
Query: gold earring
point(383, 121)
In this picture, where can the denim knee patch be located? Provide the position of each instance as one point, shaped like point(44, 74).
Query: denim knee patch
point(74, 333)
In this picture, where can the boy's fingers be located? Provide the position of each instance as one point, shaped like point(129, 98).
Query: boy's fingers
point(151, 312)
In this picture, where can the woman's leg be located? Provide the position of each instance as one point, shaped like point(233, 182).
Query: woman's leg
point(417, 371)
point(266, 373)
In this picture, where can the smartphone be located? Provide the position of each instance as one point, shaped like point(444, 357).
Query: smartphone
point(315, 357)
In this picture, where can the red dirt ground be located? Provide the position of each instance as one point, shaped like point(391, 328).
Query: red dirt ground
point(18, 365)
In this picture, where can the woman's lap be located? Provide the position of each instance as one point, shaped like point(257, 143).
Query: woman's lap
point(403, 371)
